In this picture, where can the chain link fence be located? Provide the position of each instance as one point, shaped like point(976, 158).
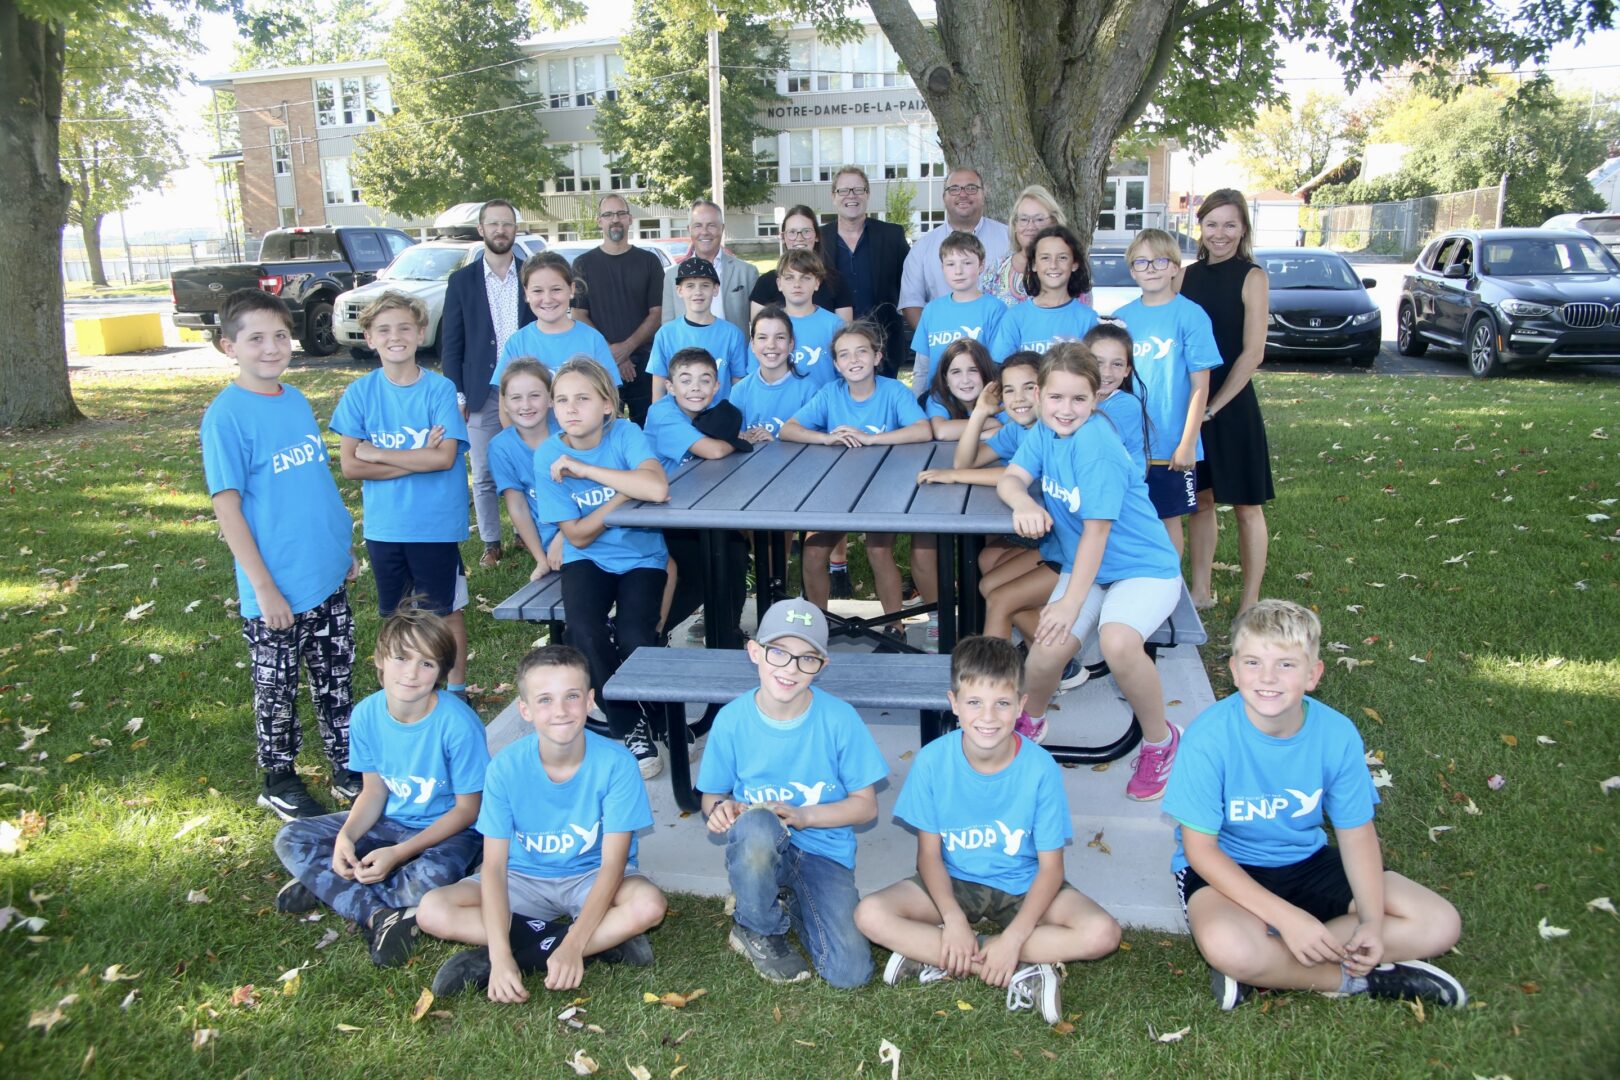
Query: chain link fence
point(1399, 228)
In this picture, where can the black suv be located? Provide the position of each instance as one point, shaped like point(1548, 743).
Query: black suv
point(1512, 296)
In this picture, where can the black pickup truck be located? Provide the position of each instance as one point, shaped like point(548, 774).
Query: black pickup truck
point(307, 267)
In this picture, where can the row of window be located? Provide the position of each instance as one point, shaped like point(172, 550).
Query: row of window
point(352, 100)
point(867, 64)
point(886, 152)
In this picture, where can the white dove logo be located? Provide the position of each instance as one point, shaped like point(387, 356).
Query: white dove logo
point(875, 429)
point(1153, 348)
point(1014, 838)
point(809, 357)
point(972, 332)
point(811, 795)
point(587, 835)
point(418, 436)
point(1307, 803)
point(1069, 497)
point(424, 787)
point(319, 448)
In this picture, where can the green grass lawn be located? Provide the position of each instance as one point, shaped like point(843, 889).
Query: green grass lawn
point(1442, 527)
point(80, 290)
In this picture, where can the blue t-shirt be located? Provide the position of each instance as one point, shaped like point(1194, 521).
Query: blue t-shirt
point(1030, 326)
point(557, 830)
point(1171, 341)
point(555, 350)
point(511, 463)
point(1005, 442)
point(671, 434)
point(617, 550)
point(945, 320)
point(268, 449)
point(1264, 798)
point(424, 765)
point(425, 507)
point(1090, 476)
point(890, 408)
point(812, 345)
point(821, 759)
point(1126, 413)
point(992, 828)
point(769, 405)
point(720, 339)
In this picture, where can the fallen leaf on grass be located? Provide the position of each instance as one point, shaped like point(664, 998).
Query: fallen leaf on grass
point(190, 824)
point(1510, 740)
point(1548, 932)
point(423, 1004)
point(1350, 663)
point(134, 724)
point(889, 1054)
point(198, 896)
point(327, 939)
point(202, 1037)
point(129, 999)
point(245, 997)
point(1417, 1010)
point(1496, 783)
point(582, 1065)
point(193, 606)
point(116, 973)
point(776, 1013)
point(1372, 714)
point(1602, 903)
point(1611, 784)
point(1381, 778)
point(139, 611)
point(348, 1029)
point(1063, 1027)
point(677, 1070)
point(805, 1042)
point(638, 1072)
point(1417, 659)
point(1436, 830)
point(1171, 1036)
point(964, 1006)
point(46, 1019)
point(1545, 741)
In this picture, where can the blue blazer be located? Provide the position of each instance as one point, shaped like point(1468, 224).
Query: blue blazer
point(467, 334)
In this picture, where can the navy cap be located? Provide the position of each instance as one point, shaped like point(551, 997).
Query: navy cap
point(695, 267)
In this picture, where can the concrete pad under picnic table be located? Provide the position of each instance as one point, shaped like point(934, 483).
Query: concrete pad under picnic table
point(1127, 870)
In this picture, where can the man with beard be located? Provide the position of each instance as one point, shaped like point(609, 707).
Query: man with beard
point(483, 306)
point(623, 298)
point(924, 278)
point(708, 227)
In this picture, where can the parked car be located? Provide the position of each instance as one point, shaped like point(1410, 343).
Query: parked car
point(1319, 309)
point(1606, 227)
point(1512, 296)
point(307, 267)
point(675, 249)
point(423, 271)
point(1111, 284)
point(573, 249)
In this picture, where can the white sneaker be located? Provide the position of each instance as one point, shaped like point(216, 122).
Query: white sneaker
point(640, 743)
point(1036, 984)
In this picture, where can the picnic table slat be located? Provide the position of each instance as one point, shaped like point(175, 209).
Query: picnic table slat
point(752, 475)
point(713, 676)
point(696, 478)
point(941, 499)
point(892, 488)
point(798, 478)
point(511, 609)
point(984, 500)
point(846, 481)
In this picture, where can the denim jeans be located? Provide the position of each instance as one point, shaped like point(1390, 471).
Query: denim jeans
point(305, 849)
point(820, 904)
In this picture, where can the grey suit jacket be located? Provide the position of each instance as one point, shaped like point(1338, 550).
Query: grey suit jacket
point(736, 283)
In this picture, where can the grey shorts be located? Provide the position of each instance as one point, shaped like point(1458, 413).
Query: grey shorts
point(550, 898)
point(984, 902)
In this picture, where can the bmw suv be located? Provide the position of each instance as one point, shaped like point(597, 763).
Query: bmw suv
point(1512, 296)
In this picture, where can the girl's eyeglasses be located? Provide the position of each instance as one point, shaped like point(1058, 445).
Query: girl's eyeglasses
point(809, 663)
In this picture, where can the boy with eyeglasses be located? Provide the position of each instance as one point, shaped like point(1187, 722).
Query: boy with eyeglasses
point(787, 776)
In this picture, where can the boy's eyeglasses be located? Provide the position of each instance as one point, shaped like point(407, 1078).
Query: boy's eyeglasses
point(809, 663)
point(963, 189)
point(1160, 263)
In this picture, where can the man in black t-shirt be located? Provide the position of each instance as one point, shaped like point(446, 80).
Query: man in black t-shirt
point(623, 298)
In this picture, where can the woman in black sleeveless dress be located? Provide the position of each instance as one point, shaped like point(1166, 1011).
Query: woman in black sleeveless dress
point(1236, 469)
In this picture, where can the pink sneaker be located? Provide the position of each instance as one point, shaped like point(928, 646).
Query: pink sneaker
point(1030, 728)
point(1152, 767)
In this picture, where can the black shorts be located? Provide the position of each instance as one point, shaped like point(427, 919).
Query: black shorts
point(431, 569)
point(1316, 884)
point(1173, 493)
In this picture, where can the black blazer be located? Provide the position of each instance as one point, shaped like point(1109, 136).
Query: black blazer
point(889, 249)
point(467, 334)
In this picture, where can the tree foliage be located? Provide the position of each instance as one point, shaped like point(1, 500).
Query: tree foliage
point(287, 33)
point(464, 128)
point(1286, 146)
point(659, 123)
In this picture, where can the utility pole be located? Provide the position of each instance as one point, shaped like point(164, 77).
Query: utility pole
point(716, 154)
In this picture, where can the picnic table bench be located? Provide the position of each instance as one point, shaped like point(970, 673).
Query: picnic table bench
point(537, 602)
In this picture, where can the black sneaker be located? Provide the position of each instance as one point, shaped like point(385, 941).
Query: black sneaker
point(772, 956)
point(640, 743)
point(1413, 980)
point(1229, 993)
point(346, 785)
point(393, 936)
point(637, 952)
point(468, 969)
point(295, 899)
point(839, 588)
point(286, 796)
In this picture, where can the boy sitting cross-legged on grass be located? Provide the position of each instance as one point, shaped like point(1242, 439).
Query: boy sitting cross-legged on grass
point(409, 831)
point(560, 816)
point(1270, 903)
point(992, 819)
point(787, 775)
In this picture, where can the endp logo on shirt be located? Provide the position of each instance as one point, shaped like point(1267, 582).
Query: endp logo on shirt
point(996, 834)
point(1069, 497)
point(422, 787)
point(1152, 348)
point(945, 337)
point(300, 453)
point(559, 843)
point(408, 438)
point(807, 357)
point(1270, 807)
point(794, 792)
point(590, 500)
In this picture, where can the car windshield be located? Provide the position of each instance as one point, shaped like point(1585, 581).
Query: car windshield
point(1108, 270)
point(1602, 226)
point(1309, 272)
point(1534, 256)
point(425, 263)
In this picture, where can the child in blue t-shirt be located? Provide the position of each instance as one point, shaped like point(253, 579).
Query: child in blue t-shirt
point(992, 819)
point(562, 807)
point(410, 830)
point(526, 402)
point(596, 465)
point(1056, 277)
point(554, 338)
point(1118, 398)
point(1121, 578)
point(861, 409)
point(799, 274)
point(1270, 903)
point(1173, 354)
point(963, 314)
point(697, 283)
point(787, 775)
point(777, 388)
point(291, 537)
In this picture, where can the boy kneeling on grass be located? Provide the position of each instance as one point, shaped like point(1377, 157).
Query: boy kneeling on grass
point(1271, 905)
point(992, 819)
point(560, 816)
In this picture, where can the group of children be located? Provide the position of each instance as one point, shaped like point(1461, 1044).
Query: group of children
point(788, 772)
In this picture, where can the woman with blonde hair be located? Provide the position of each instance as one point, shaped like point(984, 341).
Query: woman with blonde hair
point(1034, 209)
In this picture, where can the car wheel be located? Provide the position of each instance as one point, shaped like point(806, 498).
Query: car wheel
point(318, 339)
point(1407, 341)
point(1483, 359)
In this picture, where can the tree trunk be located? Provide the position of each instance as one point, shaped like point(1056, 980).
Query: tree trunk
point(1031, 93)
point(34, 386)
point(90, 228)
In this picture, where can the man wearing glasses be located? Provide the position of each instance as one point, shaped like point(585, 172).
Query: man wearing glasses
point(483, 306)
point(622, 298)
point(924, 278)
point(708, 228)
point(869, 255)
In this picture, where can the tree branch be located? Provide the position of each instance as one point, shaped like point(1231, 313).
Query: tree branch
point(1205, 12)
point(1168, 40)
point(909, 37)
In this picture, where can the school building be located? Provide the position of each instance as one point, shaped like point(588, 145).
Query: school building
point(847, 102)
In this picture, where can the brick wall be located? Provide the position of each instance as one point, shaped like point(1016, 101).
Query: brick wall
point(263, 105)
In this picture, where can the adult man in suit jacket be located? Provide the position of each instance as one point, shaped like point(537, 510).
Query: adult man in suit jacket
point(870, 255)
point(483, 306)
point(708, 228)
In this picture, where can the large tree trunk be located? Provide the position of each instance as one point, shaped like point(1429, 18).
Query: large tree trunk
point(34, 385)
point(1034, 93)
point(90, 229)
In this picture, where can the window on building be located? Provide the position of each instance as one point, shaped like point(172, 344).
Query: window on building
point(567, 178)
point(379, 102)
point(584, 80)
point(765, 225)
point(829, 65)
point(830, 152)
point(325, 103)
point(930, 157)
point(339, 187)
point(620, 178)
point(590, 167)
point(280, 151)
point(647, 229)
point(559, 80)
point(354, 105)
point(615, 76)
point(767, 155)
point(287, 216)
point(800, 79)
point(896, 152)
point(868, 150)
point(927, 219)
point(868, 68)
point(566, 231)
point(801, 157)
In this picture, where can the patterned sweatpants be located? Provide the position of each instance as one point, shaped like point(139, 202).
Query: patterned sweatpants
point(323, 638)
point(305, 849)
